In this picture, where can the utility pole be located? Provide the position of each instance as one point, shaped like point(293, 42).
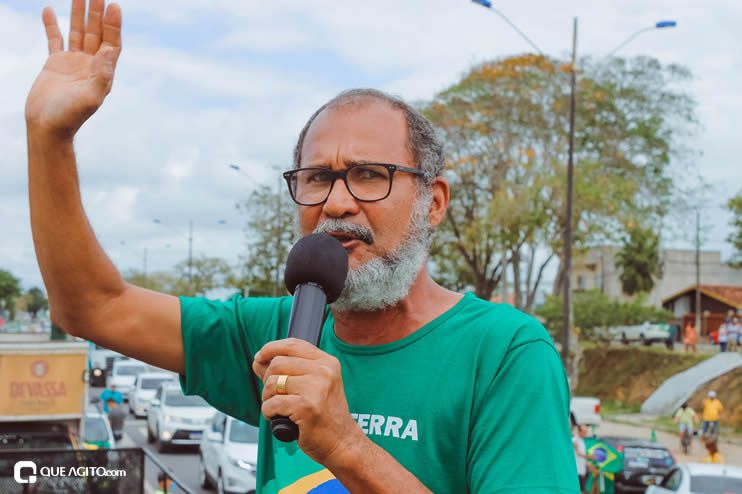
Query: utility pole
point(567, 307)
point(144, 265)
point(698, 271)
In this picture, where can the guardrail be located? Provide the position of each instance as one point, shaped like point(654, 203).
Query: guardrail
point(163, 480)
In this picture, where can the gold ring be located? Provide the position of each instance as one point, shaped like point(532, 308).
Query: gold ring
point(281, 384)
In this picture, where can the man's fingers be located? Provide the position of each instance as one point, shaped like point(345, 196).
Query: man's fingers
point(292, 347)
point(293, 385)
point(56, 43)
point(286, 405)
point(77, 25)
point(94, 27)
point(112, 30)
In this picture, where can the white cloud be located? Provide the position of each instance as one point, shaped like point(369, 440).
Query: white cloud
point(202, 84)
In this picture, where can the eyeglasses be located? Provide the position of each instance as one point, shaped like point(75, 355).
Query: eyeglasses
point(367, 182)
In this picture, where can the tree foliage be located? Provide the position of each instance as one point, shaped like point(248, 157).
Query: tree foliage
point(638, 260)
point(201, 275)
point(735, 206)
point(269, 234)
point(36, 301)
point(504, 126)
point(9, 290)
point(595, 310)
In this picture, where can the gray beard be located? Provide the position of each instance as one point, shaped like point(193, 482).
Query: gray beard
point(384, 281)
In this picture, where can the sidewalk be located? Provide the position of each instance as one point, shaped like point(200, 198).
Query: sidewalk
point(732, 451)
point(648, 421)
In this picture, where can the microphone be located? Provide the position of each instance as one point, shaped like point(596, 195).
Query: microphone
point(315, 275)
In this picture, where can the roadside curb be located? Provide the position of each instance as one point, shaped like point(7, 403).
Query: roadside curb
point(647, 421)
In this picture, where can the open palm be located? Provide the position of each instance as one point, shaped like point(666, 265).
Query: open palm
point(73, 83)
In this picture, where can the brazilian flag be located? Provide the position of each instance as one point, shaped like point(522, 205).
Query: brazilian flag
point(609, 461)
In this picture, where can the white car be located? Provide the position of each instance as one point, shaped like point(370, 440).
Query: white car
point(145, 387)
point(229, 455)
point(702, 478)
point(645, 333)
point(584, 410)
point(176, 419)
point(124, 374)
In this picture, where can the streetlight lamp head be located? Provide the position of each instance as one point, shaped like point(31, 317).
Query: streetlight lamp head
point(662, 24)
point(234, 167)
point(156, 221)
point(483, 3)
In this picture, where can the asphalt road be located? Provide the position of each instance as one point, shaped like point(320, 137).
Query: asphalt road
point(181, 462)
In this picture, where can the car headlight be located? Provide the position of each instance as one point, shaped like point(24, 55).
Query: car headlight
point(245, 465)
point(168, 419)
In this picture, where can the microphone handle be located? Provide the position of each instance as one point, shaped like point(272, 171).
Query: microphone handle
point(305, 323)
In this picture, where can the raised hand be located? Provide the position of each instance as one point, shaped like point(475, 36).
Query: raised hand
point(73, 83)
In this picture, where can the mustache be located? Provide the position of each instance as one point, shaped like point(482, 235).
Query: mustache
point(334, 225)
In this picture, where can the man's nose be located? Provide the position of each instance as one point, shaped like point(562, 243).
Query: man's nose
point(340, 202)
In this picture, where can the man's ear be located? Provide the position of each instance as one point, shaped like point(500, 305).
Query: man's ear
point(441, 197)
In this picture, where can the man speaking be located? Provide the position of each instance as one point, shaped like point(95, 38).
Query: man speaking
point(412, 388)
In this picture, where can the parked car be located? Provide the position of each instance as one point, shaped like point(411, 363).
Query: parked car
point(645, 333)
point(124, 374)
point(176, 419)
point(707, 478)
point(145, 387)
point(228, 455)
point(645, 463)
point(97, 431)
point(584, 410)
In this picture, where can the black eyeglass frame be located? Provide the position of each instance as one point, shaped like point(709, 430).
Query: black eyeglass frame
point(344, 175)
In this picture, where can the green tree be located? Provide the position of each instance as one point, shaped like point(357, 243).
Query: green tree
point(270, 234)
point(735, 206)
point(36, 301)
point(504, 126)
point(638, 260)
point(201, 275)
point(159, 281)
point(9, 290)
point(595, 311)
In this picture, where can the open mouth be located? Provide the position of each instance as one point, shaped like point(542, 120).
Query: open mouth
point(346, 239)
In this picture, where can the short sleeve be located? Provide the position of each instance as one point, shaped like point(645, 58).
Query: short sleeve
point(219, 341)
point(520, 439)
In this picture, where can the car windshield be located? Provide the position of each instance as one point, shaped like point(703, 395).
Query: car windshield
point(154, 382)
point(715, 484)
point(130, 370)
point(243, 433)
point(95, 430)
point(178, 399)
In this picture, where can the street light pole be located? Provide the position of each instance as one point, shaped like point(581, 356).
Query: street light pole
point(190, 254)
point(567, 302)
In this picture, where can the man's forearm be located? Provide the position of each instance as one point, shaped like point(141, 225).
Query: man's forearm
point(365, 468)
point(77, 273)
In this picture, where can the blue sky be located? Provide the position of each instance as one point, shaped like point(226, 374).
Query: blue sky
point(202, 84)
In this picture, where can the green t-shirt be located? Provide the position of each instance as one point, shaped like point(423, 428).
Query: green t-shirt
point(475, 401)
point(686, 417)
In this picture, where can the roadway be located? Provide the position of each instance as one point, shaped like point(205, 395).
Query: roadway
point(182, 462)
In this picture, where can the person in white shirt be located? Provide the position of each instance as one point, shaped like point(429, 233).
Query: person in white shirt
point(734, 334)
point(724, 336)
point(581, 456)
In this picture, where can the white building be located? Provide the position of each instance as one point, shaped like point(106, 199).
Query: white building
point(597, 269)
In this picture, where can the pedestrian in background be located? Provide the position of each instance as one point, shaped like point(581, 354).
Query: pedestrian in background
point(686, 418)
point(690, 336)
point(724, 337)
point(581, 456)
point(712, 409)
point(735, 334)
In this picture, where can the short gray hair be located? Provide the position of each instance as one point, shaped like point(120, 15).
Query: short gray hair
point(426, 149)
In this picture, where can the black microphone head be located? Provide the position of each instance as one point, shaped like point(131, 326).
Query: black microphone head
point(317, 258)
